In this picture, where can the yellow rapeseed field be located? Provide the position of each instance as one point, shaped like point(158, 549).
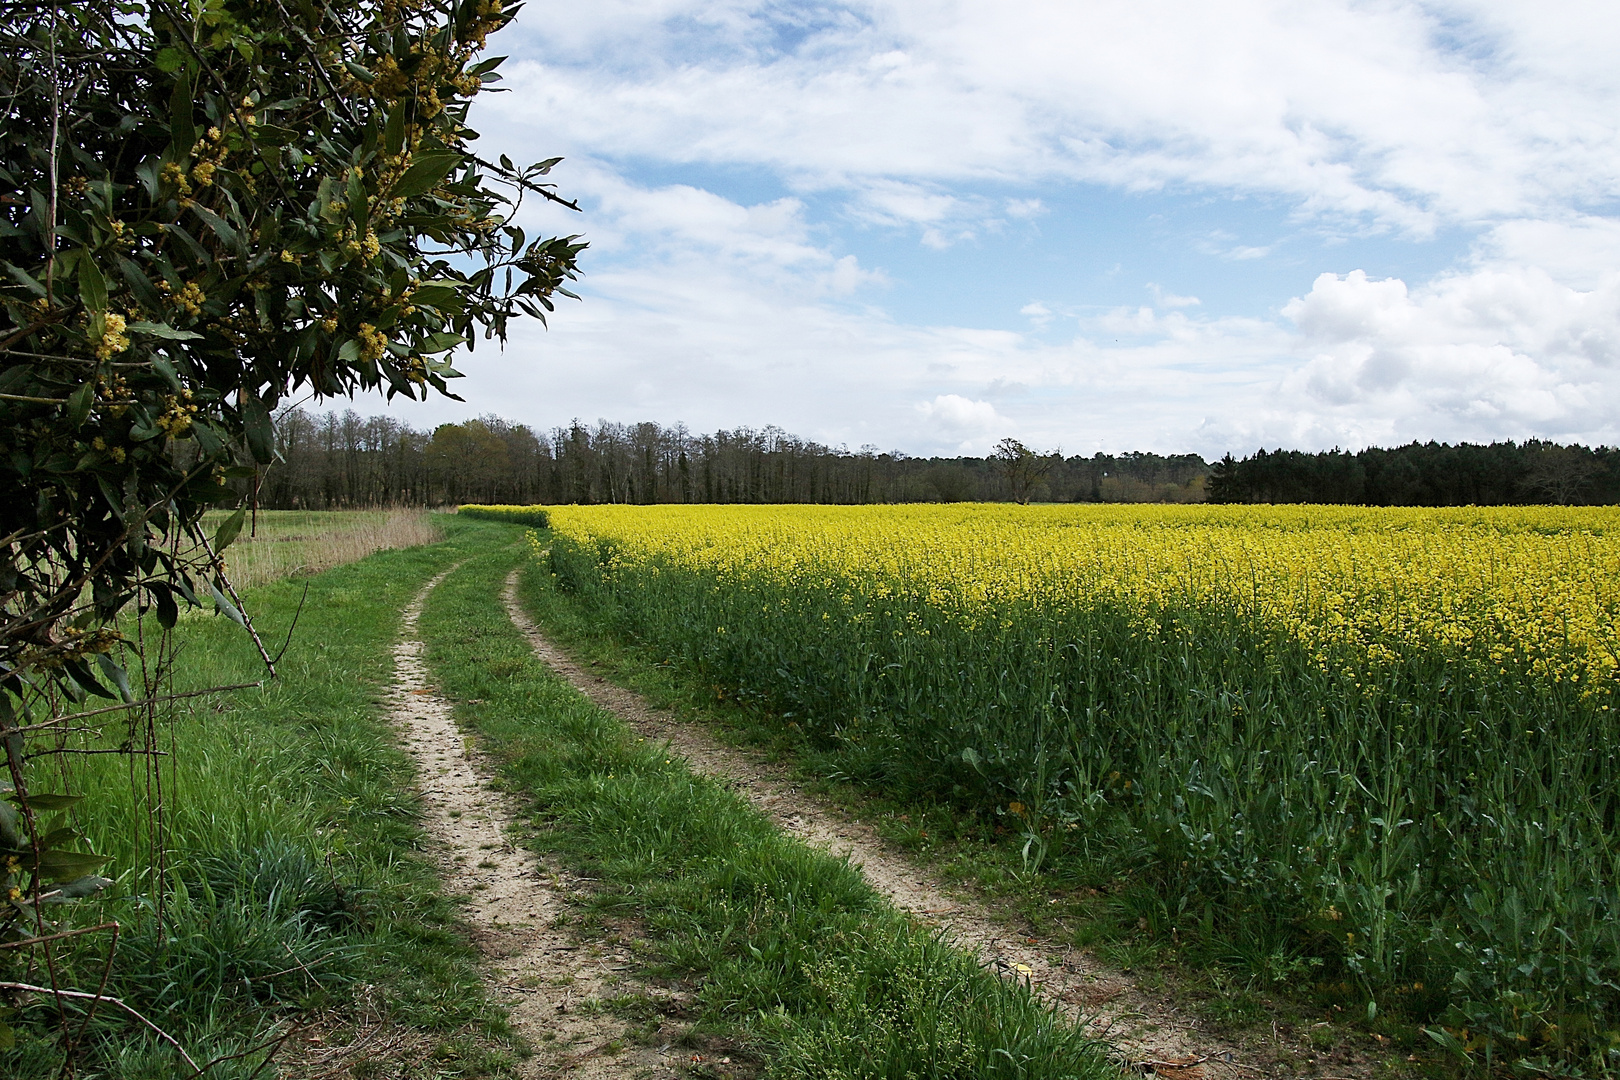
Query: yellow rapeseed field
point(1536, 587)
point(1372, 746)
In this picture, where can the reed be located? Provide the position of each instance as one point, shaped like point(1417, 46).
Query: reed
point(288, 543)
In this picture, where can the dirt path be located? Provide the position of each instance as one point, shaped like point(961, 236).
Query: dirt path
point(1148, 1031)
point(552, 980)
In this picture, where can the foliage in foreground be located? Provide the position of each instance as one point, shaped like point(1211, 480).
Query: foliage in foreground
point(206, 208)
point(790, 947)
point(1333, 744)
point(291, 875)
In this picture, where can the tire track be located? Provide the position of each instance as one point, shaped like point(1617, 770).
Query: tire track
point(1148, 1032)
point(549, 979)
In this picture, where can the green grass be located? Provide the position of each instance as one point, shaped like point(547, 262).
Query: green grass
point(293, 875)
point(793, 957)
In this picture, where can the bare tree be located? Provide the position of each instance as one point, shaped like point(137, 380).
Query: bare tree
point(1023, 467)
point(1560, 473)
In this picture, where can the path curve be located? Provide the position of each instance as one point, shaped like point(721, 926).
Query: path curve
point(1147, 1031)
point(542, 973)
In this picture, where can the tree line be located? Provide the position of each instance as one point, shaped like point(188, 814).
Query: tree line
point(335, 460)
point(331, 460)
point(1424, 474)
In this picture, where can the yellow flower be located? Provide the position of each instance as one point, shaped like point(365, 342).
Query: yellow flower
point(373, 342)
point(113, 338)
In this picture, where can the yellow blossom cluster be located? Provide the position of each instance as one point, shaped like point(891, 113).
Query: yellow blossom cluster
point(373, 342)
point(114, 339)
point(189, 299)
point(178, 415)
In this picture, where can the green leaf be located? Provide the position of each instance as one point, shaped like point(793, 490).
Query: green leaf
point(181, 127)
point(225, 607)
point(439, 296)
point(440, 342)
point(222, 228)
point(163, 330)
point(78, 889)
point(169, 60)
point(427, 172)
point(166, 369)
point(78, 404)
point(229, 529)
point(261, 435)
point(168, 612)
point(394, 132)
point(25, 279)
point(82, 675)
point(68, 865)
point(56, 835)
point(11, 828)
point(46, 804)
point(139, 284)
point(120, 677)
point(271, 135)
point(92, 286)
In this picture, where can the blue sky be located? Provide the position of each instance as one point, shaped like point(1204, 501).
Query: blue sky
point(927, 225)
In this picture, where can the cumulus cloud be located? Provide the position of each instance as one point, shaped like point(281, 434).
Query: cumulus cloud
point(956, 414)
point(1510, 352)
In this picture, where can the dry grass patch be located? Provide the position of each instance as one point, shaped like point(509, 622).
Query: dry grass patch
point(289, 542)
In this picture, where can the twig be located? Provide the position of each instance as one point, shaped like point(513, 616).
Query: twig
point(34, 400)
point(53, 722)
point(288, 641)
point(79, 750)
point(121, 1003)
point(106, 973)
point(276, 1042)
point(58, 937)
point(247, 623)
point(288, 971)
point(520, 181)
point(1174, 1064)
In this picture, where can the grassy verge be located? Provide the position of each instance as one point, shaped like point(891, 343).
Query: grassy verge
point(1232, 983)
point(793, 958)
point(293, 883)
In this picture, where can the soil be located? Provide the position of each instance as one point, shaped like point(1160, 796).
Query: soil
point(1149, 1032)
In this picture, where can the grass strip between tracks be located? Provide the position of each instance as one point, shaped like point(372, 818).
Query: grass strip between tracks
point(794, 959)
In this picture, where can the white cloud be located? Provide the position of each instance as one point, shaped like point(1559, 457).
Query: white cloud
point(1505, 352)
point(957, 416)
point(1170, 299)
point(1345, 108)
